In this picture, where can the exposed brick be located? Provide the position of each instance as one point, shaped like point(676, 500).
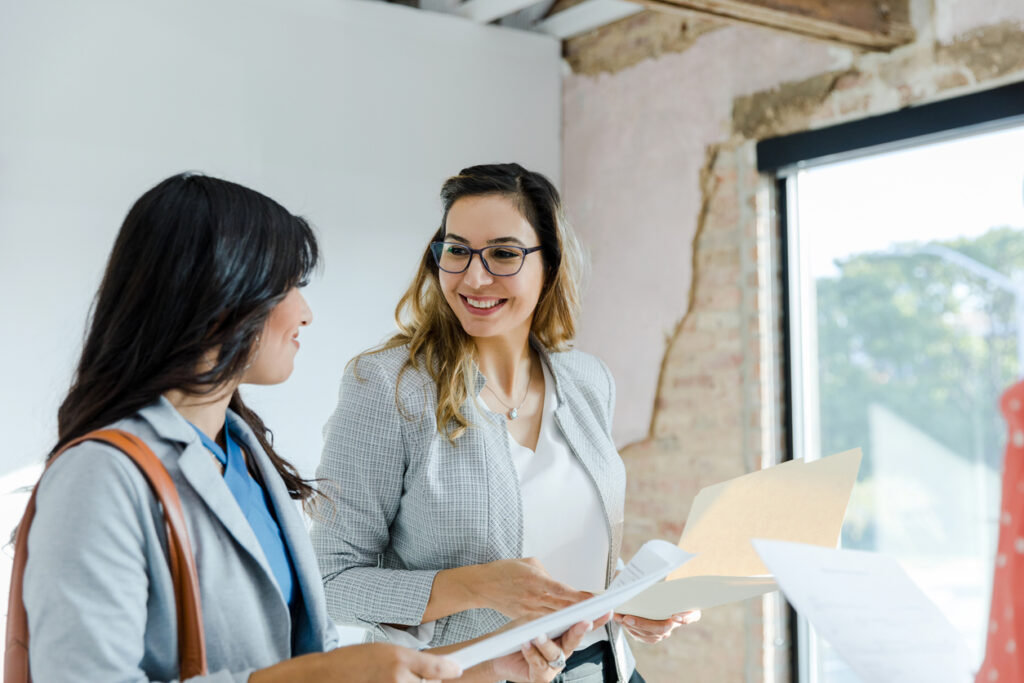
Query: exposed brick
point(707, 422)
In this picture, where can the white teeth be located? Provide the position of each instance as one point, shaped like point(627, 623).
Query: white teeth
point(476, 303)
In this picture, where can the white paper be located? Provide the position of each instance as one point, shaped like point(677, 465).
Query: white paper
point(664, 599)
point(651, 564)
point(874, 616)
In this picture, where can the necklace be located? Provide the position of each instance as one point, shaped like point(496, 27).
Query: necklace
point(513, 413)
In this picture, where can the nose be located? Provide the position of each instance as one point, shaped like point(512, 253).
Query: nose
point(476, 275)
point(307, 313)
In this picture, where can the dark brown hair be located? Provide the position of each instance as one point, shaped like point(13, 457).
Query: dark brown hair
point(196, 269)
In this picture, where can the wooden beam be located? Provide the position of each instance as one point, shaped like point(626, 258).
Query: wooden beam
point(872, 24)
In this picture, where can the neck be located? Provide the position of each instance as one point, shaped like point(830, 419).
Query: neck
point(505, 361)
point(206, 411)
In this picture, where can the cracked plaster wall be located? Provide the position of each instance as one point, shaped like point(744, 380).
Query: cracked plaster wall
point(659, 177)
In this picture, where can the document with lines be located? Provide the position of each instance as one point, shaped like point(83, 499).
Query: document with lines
point(802, 502)
point(652, 563)
point(871, 612)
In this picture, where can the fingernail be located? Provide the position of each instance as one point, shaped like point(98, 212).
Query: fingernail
point(679, 619)
point(541, 639)
point(630, 620)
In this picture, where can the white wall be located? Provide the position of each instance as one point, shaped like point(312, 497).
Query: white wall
point(349, 113)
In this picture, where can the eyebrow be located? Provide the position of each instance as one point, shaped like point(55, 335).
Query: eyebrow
point(497, 240)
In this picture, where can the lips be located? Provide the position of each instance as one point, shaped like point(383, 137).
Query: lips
point(482, 306)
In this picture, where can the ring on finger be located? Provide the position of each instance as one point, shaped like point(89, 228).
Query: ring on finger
point(559, 662)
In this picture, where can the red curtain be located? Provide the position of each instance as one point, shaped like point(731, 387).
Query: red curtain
point(1005, 648)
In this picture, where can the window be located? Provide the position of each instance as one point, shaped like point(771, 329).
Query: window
point(905, 278)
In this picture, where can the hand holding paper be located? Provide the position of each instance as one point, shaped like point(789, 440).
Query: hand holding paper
point(652, 563)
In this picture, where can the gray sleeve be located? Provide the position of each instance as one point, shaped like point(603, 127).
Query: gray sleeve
point(86, 582)
point(363, 466)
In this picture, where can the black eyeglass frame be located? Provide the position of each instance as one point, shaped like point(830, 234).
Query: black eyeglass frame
point(436, 247)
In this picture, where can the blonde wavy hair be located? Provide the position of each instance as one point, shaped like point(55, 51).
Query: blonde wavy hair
point(429, 327)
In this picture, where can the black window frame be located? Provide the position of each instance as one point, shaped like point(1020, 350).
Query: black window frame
point(952, 117)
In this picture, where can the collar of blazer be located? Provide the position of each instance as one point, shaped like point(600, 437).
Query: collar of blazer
point(197, 469)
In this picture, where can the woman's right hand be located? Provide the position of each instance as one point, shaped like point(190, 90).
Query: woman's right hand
point(520, 588)
point(371, 663)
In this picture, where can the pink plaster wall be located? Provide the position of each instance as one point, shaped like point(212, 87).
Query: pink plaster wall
point(956, 17)
point(632, 150)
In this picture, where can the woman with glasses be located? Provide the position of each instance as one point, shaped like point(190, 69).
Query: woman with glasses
point(478, 445)
point(201, 295)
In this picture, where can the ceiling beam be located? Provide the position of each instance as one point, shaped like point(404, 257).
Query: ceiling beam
point(486, 11)
point(586, 16)
point(871, 24)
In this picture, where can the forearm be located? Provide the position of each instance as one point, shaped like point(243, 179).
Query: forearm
point(453, 592)
point(311, 667)
point(481, 673)
point(367, 596)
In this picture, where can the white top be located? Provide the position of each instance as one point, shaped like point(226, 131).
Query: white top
point(563, 518)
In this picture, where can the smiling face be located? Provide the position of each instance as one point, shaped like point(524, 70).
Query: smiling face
point(278, 344)
point(485, 304)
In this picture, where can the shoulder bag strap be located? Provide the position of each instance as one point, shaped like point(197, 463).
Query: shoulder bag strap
point(191, 642)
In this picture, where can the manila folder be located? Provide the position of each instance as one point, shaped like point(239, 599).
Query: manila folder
point(795, 501)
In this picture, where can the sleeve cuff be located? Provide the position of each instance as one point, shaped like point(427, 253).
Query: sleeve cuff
point(415, 637)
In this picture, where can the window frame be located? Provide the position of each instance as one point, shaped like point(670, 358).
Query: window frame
point(780, 158)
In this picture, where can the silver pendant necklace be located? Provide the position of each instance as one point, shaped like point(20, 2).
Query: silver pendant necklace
point(513, 413)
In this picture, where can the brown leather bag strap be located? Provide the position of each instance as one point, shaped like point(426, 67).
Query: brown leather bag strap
point(191, 641)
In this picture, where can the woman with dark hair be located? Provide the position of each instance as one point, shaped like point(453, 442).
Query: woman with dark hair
point(200, 295)
point(474, 447)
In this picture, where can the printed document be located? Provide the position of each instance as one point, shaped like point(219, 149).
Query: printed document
point(874, 616)
point(652, 563)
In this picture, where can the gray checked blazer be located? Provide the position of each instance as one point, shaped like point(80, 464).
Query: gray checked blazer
point(407, 503)
point(98, 592)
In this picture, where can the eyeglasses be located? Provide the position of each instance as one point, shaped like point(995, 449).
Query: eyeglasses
point(501, 260)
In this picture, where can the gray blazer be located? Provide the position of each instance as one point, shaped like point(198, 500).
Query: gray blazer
point(407, 503)
point(97, 589)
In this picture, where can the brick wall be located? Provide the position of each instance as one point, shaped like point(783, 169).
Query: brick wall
point(716, 411)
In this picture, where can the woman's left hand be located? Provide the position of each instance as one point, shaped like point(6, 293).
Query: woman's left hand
point(653, 631)
point(530, 664)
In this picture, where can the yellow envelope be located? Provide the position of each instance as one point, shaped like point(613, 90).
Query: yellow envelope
point(795, 501)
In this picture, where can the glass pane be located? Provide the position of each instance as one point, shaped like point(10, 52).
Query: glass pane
point(915, 263)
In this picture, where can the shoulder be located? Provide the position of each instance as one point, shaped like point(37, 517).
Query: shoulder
point(97, 482)
point(581, 370)
point(374, 371)
point(379, 387)
point(584, 379)
point(384, 362)
point(95, 462)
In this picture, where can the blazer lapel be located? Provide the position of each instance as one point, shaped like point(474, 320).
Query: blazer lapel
point(199, 470)
point(296, 535)
point(197, 467)
point(597, 453)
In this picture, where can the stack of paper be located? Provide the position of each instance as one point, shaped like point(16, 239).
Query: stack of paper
point(650, 564)
point(795, 501)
